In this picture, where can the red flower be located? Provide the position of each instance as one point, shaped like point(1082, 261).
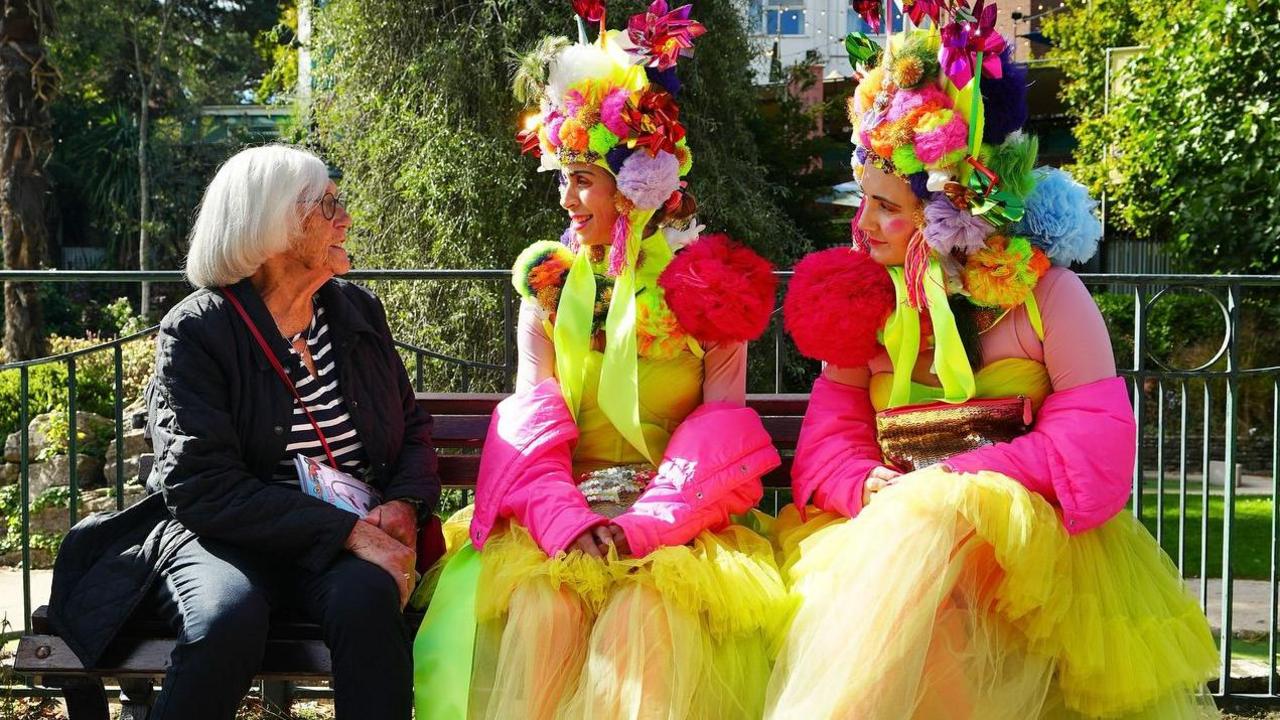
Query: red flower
point(654, 120)
point(917, 10)
point(869, 11)
point(528, 139)
point(663, 36)
point(589, 10)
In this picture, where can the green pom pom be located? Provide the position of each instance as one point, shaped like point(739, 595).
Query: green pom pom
point(601, 140)
point(1014, 161)
point(533, 256)
point(686, 162)
point(905, 160)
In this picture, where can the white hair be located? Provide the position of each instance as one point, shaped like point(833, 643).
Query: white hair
point(250, 211)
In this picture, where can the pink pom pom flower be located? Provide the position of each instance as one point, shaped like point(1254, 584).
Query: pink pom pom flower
point(836, 303)
point(719, 290)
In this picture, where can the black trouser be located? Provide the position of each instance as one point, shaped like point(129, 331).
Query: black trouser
point(219, 599)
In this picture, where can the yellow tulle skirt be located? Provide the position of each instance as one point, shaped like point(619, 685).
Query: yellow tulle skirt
point(682, 633)
point(961, 596)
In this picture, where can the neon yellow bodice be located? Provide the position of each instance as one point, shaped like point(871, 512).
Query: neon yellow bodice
point(668, 391)
point(1002, 378)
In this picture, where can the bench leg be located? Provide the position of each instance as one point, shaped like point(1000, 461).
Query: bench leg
point(86, 699)
point(277, 695)
point(136, 696)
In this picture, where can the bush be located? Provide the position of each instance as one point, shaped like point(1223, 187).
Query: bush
point(95, 381)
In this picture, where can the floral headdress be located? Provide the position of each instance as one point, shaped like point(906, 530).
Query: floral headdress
point(612, 103)
point(943, 108)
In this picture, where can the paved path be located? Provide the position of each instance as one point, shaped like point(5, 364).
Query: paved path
point(11, 594)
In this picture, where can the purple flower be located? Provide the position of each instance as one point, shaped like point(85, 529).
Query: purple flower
point(962, 40)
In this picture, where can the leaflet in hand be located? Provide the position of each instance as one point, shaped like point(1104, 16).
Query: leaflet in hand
point(336, 487)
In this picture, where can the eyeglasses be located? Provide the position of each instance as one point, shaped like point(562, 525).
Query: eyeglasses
point(329, 205)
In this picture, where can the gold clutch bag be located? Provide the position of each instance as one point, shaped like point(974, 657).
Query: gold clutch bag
point(917, 436)
point(611, 491)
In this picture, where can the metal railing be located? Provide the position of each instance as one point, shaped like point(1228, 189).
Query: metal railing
point(1206, 402)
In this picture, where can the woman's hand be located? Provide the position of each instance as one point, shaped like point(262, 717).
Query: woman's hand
point(607, 535)
point(370, 543)
point(397, 519)
point(877, 480)
point(586, 542)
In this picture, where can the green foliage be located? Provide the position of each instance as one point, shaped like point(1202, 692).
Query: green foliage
point(95, 381)
point(415, 105)
point(1188, 147)
point(213, 52)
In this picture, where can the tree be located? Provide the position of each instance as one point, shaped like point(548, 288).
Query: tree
point(413, 102)
point(1187, 147)
point(27, 84)
point(150, 65)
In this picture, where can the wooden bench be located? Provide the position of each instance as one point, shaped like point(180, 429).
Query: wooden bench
point(295, 652)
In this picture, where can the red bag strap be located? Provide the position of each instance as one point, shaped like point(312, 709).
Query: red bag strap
point(275, 363)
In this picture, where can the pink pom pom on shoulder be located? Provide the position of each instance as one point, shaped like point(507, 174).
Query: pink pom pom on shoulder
point(720, 291)
point(836, 303)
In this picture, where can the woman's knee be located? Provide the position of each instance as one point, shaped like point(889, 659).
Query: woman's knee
point(235, 619)
point(362, 590)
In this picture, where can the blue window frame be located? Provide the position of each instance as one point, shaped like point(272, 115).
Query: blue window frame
point(777, 17)
point(855, 23)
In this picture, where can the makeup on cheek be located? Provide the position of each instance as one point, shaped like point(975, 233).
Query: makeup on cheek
point(896, 225)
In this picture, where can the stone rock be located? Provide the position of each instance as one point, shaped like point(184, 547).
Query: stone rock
point(94, 433)
point(10, 473)
point(57, 471)
point(52, 520)
point(104, 499)
point(134, 445)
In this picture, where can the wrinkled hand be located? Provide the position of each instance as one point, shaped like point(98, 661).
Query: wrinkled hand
point(397, 519)
point(877, 480)
point(369, 543)
point(607, 535)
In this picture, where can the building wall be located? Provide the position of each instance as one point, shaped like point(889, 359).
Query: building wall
point(801, 27)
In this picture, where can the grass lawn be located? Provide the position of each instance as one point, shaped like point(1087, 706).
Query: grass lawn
point(1251, 542)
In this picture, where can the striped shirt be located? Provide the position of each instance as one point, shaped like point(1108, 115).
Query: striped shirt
point(324, 399)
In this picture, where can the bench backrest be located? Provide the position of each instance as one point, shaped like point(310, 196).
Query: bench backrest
point(462, 420)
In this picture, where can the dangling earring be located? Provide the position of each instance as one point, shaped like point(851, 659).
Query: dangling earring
point(859, 235)
point(621, 230)
point(914, 268)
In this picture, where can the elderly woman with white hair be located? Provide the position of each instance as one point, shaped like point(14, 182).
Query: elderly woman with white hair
point(273, 357)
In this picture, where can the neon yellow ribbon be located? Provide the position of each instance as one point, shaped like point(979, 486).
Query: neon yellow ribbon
point(445, 644)
point(902, 339)
point(572, 332)
point(619, 396)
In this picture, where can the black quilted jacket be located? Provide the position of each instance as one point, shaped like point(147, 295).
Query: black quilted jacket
point(218, 417)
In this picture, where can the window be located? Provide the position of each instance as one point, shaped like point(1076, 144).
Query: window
point(855, 23)
point(777, 17)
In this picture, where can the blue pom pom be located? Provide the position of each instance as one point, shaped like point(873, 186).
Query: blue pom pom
point(1059, 218)
point(1004, 100)
point(920, 184)
point(666, 79)
point(617, 156)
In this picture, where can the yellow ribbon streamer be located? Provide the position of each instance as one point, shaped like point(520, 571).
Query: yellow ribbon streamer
point(572, 332)
point(902, 339)
point(619, 380)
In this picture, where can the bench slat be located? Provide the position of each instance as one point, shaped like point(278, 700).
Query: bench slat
point(49, 655)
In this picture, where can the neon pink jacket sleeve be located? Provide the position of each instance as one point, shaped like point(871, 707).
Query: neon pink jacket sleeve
point(711, 470)
point(836, 449)
point(526, 471)
point(1079, 454)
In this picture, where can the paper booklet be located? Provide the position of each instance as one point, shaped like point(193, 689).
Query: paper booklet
point(336, 487)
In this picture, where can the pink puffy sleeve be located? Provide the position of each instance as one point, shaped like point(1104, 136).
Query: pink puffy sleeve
point(1080, 452)
point(837, 446)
